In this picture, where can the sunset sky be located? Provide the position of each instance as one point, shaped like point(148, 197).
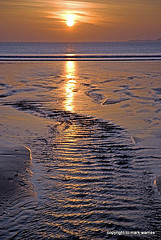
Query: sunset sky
point(91, 20)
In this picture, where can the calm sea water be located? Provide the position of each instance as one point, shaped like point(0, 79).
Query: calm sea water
point(81, 51)
point(93, 128)
point(82, 48)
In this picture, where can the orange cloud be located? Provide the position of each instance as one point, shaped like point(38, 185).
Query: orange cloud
point(84, 12)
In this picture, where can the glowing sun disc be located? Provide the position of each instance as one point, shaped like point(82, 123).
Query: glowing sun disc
point(70, 20)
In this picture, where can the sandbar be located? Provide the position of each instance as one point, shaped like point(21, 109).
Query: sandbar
point(15, 162)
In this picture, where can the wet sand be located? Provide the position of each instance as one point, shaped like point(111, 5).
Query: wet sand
point(94, 134)
point(15, 161)
point(158, 183)
point(15, 156)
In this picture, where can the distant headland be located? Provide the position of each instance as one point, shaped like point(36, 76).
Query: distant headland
point(145, 40)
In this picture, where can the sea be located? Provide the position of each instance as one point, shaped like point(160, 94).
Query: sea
point(90, 114)
point(108, 51)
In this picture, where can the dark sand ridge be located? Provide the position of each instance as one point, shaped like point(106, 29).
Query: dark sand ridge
point(15, 163)
point(15, 155)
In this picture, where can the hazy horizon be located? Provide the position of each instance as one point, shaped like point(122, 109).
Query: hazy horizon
point(130, 40)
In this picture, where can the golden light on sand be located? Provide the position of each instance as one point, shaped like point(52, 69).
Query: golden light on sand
point(70, 20)
point(70, 86)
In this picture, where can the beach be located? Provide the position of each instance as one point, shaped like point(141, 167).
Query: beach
point(80, 149)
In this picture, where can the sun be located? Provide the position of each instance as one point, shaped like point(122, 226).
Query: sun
point(70, 20)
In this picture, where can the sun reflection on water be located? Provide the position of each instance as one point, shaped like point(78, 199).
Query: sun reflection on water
point(70, 85)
